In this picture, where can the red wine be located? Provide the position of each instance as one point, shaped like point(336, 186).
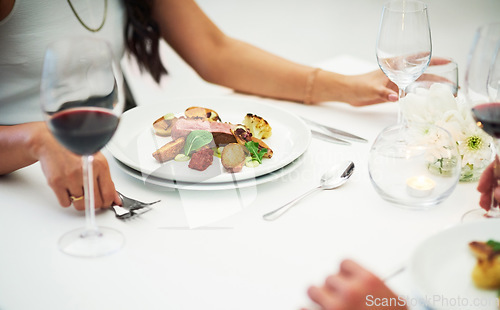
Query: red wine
point(488, 115)
point(83, 131)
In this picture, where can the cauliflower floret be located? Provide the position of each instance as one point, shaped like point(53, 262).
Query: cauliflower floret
point(258, 126)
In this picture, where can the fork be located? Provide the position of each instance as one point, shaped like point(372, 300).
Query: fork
point(131, 208)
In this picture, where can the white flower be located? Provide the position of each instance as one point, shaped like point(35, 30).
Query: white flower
point(474, 147)
point(438, 106)
point(428, 105)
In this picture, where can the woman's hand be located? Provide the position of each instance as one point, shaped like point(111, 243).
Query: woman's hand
point(485, 187)
point(63, 171)
point(370, 88)
point(354, 288)
point(375, 87)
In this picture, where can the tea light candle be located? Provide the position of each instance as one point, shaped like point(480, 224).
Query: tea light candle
point(420, 186)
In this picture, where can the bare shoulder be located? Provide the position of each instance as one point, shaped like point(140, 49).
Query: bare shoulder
point(5, 8)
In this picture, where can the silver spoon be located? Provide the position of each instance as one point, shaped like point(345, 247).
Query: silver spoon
point(332, 178)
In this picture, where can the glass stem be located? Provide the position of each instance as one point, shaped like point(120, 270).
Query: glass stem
point(494, 210)
point(88, 189)
point(402, 94)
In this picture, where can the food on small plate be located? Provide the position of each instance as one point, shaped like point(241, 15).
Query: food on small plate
point(233, 157)
point(201, 159)
point(163, 125)
point(220, 131)
point(258, 126)
point(169, 150)
point(202, 113)
point(486, 272)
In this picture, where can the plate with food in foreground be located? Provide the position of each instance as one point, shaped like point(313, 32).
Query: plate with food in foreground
point(459, 268)
point(209, 140)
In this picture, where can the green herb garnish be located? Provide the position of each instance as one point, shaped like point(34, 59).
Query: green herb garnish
point(196, 139)
point(495, 245)
point(256, 153)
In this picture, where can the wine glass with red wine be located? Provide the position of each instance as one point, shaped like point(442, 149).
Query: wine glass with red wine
point(82, 99)
point(404, 43)
point(482, 81)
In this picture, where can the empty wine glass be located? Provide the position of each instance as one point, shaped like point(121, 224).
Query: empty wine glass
point(482, 82)
point(494, 76)
point(82, 99)
point(404, 43)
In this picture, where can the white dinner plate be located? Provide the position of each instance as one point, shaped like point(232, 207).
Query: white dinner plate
point(214, 186)
point(442, 265)
point(135, 141)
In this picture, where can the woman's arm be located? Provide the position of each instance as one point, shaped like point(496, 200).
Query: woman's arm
point(222, 60)
point(24, 144)
point(19, 144)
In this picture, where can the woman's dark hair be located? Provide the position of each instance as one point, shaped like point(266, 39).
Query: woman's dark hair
point(142, 35)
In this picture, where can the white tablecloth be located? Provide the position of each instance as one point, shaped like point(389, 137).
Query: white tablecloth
point(212, 250)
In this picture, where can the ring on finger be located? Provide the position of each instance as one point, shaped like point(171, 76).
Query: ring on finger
point(73, 198)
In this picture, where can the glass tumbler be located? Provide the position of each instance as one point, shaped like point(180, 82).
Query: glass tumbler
point(444, 72)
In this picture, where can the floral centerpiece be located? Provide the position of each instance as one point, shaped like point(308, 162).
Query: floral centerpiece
point(438, 106)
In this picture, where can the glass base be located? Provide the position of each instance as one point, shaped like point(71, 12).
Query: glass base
point(91, 243)
point(478, 215)
point(411, 203)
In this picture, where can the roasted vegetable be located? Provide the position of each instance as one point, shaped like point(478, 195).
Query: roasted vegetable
point(486, 272)
point(202, 113)
point(163, 125)
point(263, 145)
point(243, 135)
point(258, 126)
point(233, 157)
point(169, 150)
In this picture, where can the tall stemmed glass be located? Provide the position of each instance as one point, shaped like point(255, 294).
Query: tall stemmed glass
point(494, 76)
point(404, 43)
point(481, 86)
point(82, 99)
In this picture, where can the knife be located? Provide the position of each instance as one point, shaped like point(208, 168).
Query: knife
point(336, 131)
point(326, 137)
